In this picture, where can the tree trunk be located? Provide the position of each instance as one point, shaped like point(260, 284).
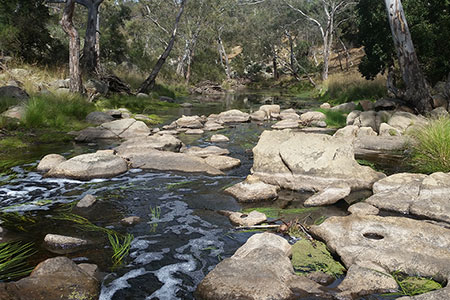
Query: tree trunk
point(224, 57)
point(275, 66)
point(149, 83)
point(75, 84)
point(97, 40)
point(417, 90)
point(91, 38)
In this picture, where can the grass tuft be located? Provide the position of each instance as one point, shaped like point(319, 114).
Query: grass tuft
point(64, 112)
point(431, 153)
point(13, 256)
point(335, 119)
point(120, 246)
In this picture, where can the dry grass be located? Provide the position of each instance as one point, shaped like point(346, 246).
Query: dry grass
point(345, 87)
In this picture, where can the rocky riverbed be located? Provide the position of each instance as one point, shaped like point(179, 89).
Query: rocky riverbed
point(172, 186)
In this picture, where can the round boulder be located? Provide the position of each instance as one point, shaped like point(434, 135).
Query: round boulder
point(89, 166)
point(50, 161)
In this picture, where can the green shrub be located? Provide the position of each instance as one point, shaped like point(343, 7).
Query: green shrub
point(431, 152)
point(64, 112)
point(336, 119)
point(344, 88)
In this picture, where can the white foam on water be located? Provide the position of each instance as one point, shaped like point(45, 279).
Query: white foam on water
point(120, 283)
point(171, 285)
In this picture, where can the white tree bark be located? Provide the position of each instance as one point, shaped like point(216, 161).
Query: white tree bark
point(417, 90)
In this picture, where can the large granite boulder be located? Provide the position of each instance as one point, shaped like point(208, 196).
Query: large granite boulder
point(259, 270)
point(168, 161)
point(164, 142)
point(386, 245)
point(404, 121)
point(54, 279)
point(415, 194)
point(312, 162)
point(102, 164)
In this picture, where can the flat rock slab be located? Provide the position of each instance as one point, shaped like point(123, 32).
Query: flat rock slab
point(311, 162)
point(89, 166)
point(50, 161)
point(98, 117)
point(362, 208)
point(54, 279)
point(421, 195)
point(195, 131)
point(223, 162)
point(417, 248)
point(259, 270)
point(253, 191)
point(169, 161)
point(252, 218)
point(286, 124)
point(206, 151)
point(61, 244)
point(328, 196)
point(118, 129)
point(380, 144)
point(164, 142)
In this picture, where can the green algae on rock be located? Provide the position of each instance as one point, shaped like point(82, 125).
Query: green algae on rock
point(308, 258)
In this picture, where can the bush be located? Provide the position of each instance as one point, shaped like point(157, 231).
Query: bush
point(342, 88)
point(62, 112)
point(431, 152)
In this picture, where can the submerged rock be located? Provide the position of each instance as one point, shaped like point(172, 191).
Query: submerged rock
point(53, 279)
point(89, 166)
point(61, 244)
point(390, 244)
point(253, 190)
point(50, 161)
point(130, 221)
point(87, 201)
point(259, 270)
point(311, 162)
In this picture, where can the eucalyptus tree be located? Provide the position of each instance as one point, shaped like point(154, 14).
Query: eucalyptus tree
point(416, 87)
point(75, 84)
point(327, 16)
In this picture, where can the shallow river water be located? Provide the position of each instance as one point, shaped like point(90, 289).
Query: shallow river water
point(181, 236)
